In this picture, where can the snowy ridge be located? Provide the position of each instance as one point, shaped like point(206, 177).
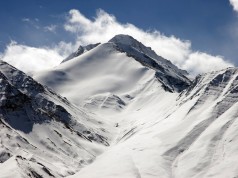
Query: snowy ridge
point(81, 50)
point(37, 124)
point(172, 78)
point(126, 40)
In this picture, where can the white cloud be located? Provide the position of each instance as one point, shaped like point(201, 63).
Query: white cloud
point(30, 59)
point(33, 22)
point(234, 4)
point(25, 20)
point(50, 28)
point(198, 62)
point(105, 26)
point(101, 29)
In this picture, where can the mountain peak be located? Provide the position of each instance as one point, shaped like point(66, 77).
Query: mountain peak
point(123, 39)
point(147, 57)
point(80, 50)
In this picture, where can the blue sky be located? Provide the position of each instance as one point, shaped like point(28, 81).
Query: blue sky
point(210, 25)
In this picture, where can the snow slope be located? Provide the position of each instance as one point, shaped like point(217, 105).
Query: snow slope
point(134, 114)
point(193, 134)
point(115, 67)
point(42, 134)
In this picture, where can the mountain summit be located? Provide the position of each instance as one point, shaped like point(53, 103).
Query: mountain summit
point(165, 70)
point(126, 40)
point(113, 67)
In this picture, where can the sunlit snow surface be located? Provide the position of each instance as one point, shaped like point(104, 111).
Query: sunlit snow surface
point(128, 113)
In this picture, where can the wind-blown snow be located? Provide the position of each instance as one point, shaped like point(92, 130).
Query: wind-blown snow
point(104, 26)
point(101, 29)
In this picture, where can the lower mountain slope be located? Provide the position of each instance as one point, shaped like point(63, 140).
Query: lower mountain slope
point(42, 134)
point(161, 134)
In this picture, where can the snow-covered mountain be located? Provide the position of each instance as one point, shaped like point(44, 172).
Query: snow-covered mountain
point(112, 69)
point(42, 134)
point(128, 113)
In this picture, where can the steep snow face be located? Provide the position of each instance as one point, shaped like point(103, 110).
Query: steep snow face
point(164, 134)
point(100, 71)
point(125, 41)
point(81, 50)
point(172, 78)
point(42, 134)
point(116, 67)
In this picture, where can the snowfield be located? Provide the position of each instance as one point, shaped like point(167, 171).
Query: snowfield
point(129, 113)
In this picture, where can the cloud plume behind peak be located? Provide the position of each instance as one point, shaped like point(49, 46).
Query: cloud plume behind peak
point(102, 28)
